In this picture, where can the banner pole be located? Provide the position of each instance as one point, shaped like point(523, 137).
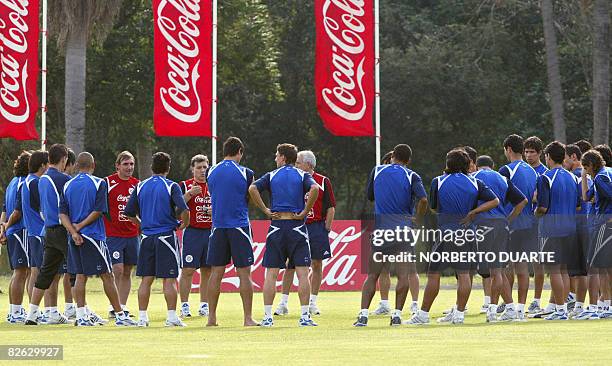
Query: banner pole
point(43, 103)
point(377, 80)
point(214, 83)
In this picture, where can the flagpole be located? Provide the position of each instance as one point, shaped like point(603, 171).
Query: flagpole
point(214, 83)
point(377, 80)
point(43, 116)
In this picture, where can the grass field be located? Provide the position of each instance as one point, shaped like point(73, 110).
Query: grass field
point(335, 341)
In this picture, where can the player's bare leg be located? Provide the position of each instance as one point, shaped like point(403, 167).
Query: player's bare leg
point(246, 294)
point(214, 288)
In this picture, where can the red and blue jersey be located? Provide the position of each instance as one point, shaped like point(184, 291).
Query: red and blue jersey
point(325, 199)
point(199, 205)
point(119, 191)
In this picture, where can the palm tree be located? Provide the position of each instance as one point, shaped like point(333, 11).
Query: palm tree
point(601, 71)
point(552, 68)
point(75, 23)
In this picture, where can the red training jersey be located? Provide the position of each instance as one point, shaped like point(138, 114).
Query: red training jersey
point(119, 192)
point(324, 201)
point(199, 206)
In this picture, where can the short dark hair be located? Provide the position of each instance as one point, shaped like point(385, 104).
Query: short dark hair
point(572, 149)
point(605, 152)
point(485, 160)
point(534, 143)
point(556, 151)
point(472, 153)
point(289, 151)
point(161, 163)
point(198, 159)
point(402, 153)
point(515, 142)
point(20, 166)
point(37, 160)
point(57, 152)
point(232, 146)
point(593, 158)
point(457, 161)
point(387, 158)
point(584, 145)
point(71, 157)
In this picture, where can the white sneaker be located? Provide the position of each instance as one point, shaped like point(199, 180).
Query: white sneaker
point(143, 323)
point(282, 309)
point(313, 309)
point(448, 318)
point(56, 318)
point(414, 308)
point(484, 308)
point(520, 316)
point(203, 311)
point(175, 323)
point(70, 313)
point(96, 319)
point(417, 320)
point(382, 310)
point(491, 317)
point(576, 311)
point(457, 320)
point(185, 311)
point(507, 316)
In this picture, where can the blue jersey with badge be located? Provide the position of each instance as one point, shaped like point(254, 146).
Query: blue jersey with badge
point(558, 192)
point(287, 186)
point(508, 194)
point(83, 195)
point(10, 203)
point(29, 205)
point(454, 195)
point(228, 184)
point(601, 191)
point(524, 177)
point(155, 201)
point(50, 190)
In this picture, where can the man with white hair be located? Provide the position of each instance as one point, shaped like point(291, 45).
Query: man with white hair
point(318, 223)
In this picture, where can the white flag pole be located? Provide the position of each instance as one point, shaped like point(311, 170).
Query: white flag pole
point(377, 80)
point(214, 83)
point(44, 78)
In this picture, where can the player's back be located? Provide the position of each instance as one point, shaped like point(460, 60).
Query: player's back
point(50, 190)
point(83, 195)
point(499, 185)
point(228, 184)
point(560, 197)
point(30, 205)
point(524, 177)
point(392, 185)
point(156, 208)
point(287, 186)
point(10, 201)
point(454, 195)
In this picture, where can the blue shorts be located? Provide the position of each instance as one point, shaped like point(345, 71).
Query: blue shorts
point(195, 247)
point(18, 249)
point(159, 256)
point(123, 250)
point(35, 248)
point(70, 263)
point(524, 240)
point(90, 258)
point(230, 243)
point(287, 242)
point(319, 240)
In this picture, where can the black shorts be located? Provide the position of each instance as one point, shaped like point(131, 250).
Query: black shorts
point(564, 250)
point(441, 253)
point(495, 241)
point(524, 240)
point(578, 263)
point(601, 247)
point(57, 237)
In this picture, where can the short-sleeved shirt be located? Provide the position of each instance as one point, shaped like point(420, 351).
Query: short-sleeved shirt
point(119, 191)
point(228, 185)
point(156, 200)
point(10, 202)
point(51, 190)
point(524, 177)
point(29, 205)
point(287, 186)
point(199, 205)
point(508, 194)
point(601, 191)
point(540, 169)
point(325, 199)
point(558, 192)
point(83, 195)
point(454, 195)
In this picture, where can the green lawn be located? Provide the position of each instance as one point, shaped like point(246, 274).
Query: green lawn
point(335, 341)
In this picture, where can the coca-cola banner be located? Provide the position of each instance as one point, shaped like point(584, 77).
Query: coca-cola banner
point(183, 67)
point(19, 69)
point(341, 272)
point(344, 66)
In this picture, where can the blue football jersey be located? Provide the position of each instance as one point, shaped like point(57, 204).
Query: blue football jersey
point(228, 184)
point(287, 186)
point(558, 192)
point(10, 202)
point(50, 190)
point(29, 204)
point(524, 177)
point(83, 195)
point(508, 194)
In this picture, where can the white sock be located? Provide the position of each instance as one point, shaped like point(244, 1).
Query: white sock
point(203, 304)
point(600, 304)
point(87, 310)
point(397, 313)
point(459, 314)
point(423, 314)
point(123, 307)
point(304, 310)
point(313, 299)
point(81, 313)
point(33, 314)
point(521, 308)
point(415, 303)
point(579, 305)
point(172, 315)
point(492, 308)
point(364, 312)
point(284, 299)
point(572, 296)
point(537, 301)
point(510, 306)
point(14, 309)
point(550, 307)
point(142, 315)
point(268, 311)
point(52, 309)
point(487, 300)
point(384, 303)
point(69, 306)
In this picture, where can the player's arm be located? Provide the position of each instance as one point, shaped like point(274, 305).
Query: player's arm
point(418, 191)
point(490, 202)
point(180, 204)
point(258, 186)
point(584, 185)
point(313, 193)
point(543, 197)
point(517, 199)
point(16, 214)
point(64, 216)
point(132, 208)
point(192, 192)
point(2, 228)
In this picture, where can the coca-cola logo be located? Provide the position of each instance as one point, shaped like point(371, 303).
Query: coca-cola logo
point(14, 104)
point(122, 198)
point(181, 99)
point(348, 46)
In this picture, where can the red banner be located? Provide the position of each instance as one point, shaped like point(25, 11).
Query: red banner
point(19, 32)
point(344, 66)
point(183, 67)
point(341, 272)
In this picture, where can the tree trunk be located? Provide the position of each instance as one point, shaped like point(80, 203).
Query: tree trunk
point(74, 104)
point(601, 72)
point(552, 68)
point(144, 158)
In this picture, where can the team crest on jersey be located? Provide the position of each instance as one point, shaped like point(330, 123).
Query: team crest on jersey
point(131, 190)
point(116, 255)
point(189, 258)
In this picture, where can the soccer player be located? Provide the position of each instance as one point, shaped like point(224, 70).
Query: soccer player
point(600, 251)
point(287, 238)
point(13, 233)
point(558, 199)
point(69, 278)
point(82, 205)
point(121, 234)
point(196, 236)
point(228, 184)
point(533, 147)
point(393, 188)
point(455, 197)
point(524, 229)
point(495, 225)
point(318, 224)
point(152, 205)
